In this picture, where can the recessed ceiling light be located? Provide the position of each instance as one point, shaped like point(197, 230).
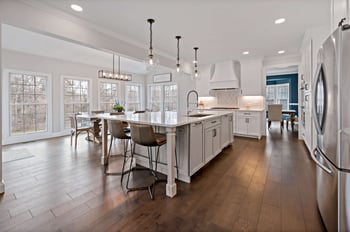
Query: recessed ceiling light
point(245, 52)
point(281, 52)
point(76, 7)
point(279, 21)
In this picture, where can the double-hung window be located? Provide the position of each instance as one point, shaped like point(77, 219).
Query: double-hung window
point(76, 98)
point(28, 103)
point(133, 99)
point(163, 97)
point(108, 95)
point(278, 94)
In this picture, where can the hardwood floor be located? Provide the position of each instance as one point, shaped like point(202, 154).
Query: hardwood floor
point(266, 185)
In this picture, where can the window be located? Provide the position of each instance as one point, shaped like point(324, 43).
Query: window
point(162, 97)
point(278, 94)
point(133, 97)
point(76, 98)
point(108, 95)
point(28, 103)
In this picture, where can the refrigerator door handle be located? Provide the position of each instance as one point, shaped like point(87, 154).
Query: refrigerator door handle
point(313, 156)
point(319, 78)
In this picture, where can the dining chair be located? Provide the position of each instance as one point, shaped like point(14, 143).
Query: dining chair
point(77, 128)
point(275, 114)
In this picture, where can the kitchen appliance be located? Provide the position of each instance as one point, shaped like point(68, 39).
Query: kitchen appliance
point(331, 114)
point(225, 75)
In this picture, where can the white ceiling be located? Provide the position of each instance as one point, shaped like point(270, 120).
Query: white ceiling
point(222, 29)
point(21, 40)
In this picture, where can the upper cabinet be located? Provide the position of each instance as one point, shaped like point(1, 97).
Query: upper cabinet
point(339, 10)
point(202, 84)
point(251, 78)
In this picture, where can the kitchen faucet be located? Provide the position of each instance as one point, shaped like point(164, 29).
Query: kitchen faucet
point(188, 100)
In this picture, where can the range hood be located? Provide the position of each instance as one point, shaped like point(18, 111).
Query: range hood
point(225, 75)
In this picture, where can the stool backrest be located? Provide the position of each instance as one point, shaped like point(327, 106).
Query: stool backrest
point(116, 128)
point(143, 135)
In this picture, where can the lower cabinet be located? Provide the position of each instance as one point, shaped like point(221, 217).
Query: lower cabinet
point(212, 140)
point(226, 130)
point(248, 124)
point(196, 147)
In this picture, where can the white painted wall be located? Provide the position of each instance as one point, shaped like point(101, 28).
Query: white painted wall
point(2, 184)
point(57, 68)
point(202, 84)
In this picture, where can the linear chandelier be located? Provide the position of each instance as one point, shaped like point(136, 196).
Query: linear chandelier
point(113, 75)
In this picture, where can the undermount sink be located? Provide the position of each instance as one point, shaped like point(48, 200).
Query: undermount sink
point(198, 115)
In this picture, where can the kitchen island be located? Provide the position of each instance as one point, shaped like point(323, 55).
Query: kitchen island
point(201, 136)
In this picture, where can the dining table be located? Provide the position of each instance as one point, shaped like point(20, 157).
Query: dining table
point(291, 114)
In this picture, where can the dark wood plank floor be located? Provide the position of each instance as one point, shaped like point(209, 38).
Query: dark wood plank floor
point(266, 185)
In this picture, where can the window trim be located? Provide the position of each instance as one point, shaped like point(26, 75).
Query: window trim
point(162, 85)
point(7, 138)
point(275, 92)
point(62, 96)
point(99, 92)
point(141, 93)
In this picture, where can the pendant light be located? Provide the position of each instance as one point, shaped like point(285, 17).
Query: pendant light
point(195, 63)
point(178, 53)
point(150, 56)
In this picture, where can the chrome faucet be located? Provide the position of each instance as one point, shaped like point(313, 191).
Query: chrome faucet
point(188, 100)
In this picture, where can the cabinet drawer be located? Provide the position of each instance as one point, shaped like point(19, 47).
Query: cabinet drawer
point(247, 114)
point(212, 122)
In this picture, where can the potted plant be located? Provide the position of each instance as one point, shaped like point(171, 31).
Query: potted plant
point(118, 108)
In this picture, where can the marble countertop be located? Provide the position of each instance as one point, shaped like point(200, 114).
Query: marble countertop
point(164, 119)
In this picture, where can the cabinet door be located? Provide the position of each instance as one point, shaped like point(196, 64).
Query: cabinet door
point(225, 130)
point(208, 145)
point(216, 140)
point(251, 77)
point(196, 147)
point(253, 126)
point(241, 125)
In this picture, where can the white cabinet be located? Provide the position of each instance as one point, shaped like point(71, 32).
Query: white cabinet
point(252, 78)
point(248, 124)
point(226, 130)
point(196, 147)
point(339, 11)
point(212, 139)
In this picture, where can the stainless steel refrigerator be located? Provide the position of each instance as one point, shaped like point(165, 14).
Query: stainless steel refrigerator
point(331, 115)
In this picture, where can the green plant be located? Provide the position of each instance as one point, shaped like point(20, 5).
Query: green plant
point(118, 108)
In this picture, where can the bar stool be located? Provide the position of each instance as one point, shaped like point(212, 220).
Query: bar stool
point(144, 135)
point(117, 131)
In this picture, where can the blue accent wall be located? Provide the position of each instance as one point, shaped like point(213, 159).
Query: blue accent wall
point(292, 79)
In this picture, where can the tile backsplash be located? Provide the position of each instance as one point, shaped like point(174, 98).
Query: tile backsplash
point(232, 98)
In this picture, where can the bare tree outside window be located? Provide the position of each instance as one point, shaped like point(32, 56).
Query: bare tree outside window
point(76, 98)
point(133, 97)
point(162, 97)
point(28, 103)
point(108, 95)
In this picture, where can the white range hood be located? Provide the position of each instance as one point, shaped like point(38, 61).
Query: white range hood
point(225, 75)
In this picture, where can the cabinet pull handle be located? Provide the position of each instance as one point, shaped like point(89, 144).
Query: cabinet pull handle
point(214, 132)
point(213, 122)
point(197, 123)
